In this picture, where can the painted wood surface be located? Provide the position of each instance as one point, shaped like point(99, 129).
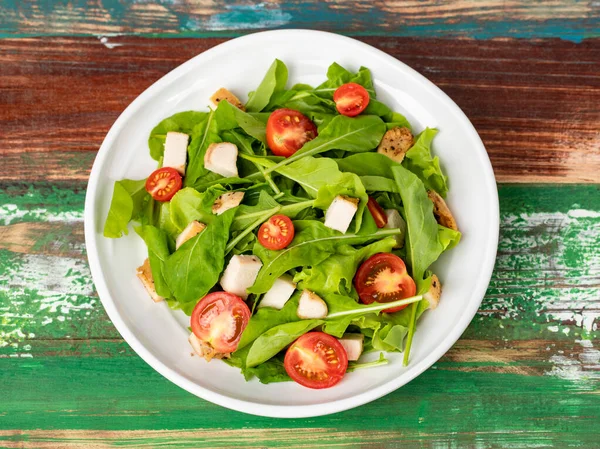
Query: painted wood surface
point(535, 104)
point(568, 19)
point(526, 371)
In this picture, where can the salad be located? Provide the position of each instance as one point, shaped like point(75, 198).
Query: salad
point(296, 230)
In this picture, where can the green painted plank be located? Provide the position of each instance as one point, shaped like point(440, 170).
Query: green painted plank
point(438, 407)
point(545, 284)
point(566, 19)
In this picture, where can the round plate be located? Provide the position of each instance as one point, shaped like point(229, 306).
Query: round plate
point(159, 335)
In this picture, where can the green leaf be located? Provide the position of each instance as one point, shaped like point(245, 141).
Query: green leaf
point(158, 252)
point(350, 185)
point(195, 267)
point(203, 135)
point(419, 161)
point(422, 244)
point(128, 201)
point(267, 318)
point(276, 339)
point(312, 244)
point(274, 81)
point(335, 274)
point(188, 205)
point(368, 164)
point(183, 122)
point(354, 134)
point(379, 184)
point(269, 372)
point(229, 117)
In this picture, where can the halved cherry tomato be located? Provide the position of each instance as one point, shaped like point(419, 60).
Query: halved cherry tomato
point(383, 278)
point(288, 131)
point(377, 212)
point(163, 183)
point(276, 233)
point(351, 99)
point(316, 360)
point(219, 320)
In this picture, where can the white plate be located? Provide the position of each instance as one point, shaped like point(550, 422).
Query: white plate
point(159, 335)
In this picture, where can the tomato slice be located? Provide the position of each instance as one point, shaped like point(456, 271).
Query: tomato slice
point(276, 233)
point(163, 183)
point(383, 278)
point(316, 360)
point(377, 212)
point(288, 131)
point(219, 320)
point(351, 99)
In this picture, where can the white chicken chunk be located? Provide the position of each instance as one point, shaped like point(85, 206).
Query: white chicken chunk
point(340, 213)
point(353, 344)
point(240, 274)
point(282, 290)
point(176, 151)
point(311, 306)
point(221, 158)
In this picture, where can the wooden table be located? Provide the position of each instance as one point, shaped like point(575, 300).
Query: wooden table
point(526, 373)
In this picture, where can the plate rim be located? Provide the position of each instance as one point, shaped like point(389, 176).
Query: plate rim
point(271, 410)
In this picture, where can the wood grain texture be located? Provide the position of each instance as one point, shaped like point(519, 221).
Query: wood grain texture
point(536, 105)
point(568, 19)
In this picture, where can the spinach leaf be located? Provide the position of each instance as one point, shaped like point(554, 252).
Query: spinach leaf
point(419, 161)
point(183, 122)
point(195, 267)
point(398, 121)
point(274, 81)
point(338, 75)
point(378, 108)
point(128, 202)
point(158, 252)
point(312, 244)
point(276, 339)
point(335, 274)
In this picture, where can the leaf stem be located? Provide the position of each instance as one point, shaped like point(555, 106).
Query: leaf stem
point(260, 168)
point(251, 228)
point(411, 332)
point(375, 308)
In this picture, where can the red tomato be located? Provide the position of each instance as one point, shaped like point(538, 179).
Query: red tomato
point(276, 233)
point(288, 131)
point(351, 99)
point(383, 278)
point(316, 360)
point(163, 183)
point(377, 212)
point(219, 320)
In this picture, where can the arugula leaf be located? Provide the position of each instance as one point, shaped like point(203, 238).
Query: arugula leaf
point(203, 135)
point(379, 184)
point(353, 366)
point(354, 134)
point(267, 318)
point(367, 164)
point(448, 238)
point(274, 81)
point(419, 161)
point(183, 122)
point(312, 244)
point(195, 267)
point(422, 244)
point(229, 117)
point(158, 252)
point(276, 339)
point(128, 202)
